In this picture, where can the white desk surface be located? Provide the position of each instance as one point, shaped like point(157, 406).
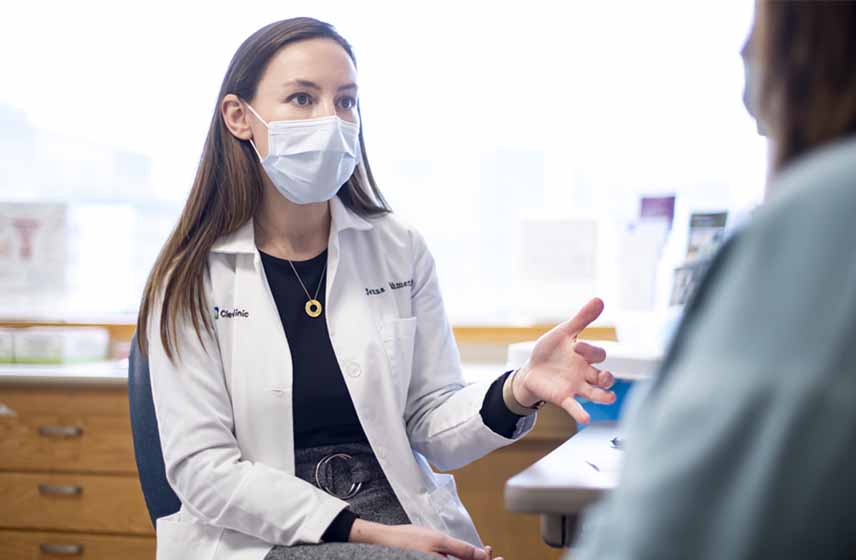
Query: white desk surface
point(566, 481)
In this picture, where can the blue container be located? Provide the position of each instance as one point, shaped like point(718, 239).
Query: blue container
point(608, 412)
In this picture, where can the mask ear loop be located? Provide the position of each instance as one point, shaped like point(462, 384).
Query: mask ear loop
point(261, 120)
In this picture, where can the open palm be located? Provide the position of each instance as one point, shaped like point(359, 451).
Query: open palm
point(560, 368)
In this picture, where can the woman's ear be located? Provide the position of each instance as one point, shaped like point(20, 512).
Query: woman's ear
point(235, 117)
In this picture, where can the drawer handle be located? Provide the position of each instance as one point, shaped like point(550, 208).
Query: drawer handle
point(62, 549)
point(61, 431)
point(51, 489)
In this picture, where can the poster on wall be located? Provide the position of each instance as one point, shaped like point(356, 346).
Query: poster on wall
point(707, 232)
point(658, 208)
point(33, 251)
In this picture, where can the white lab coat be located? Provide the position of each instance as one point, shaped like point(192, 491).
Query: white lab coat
point(225, 413)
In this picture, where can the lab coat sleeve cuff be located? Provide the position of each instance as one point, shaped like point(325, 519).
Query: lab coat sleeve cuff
point(317, 525)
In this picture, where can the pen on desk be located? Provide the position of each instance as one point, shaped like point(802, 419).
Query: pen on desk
point(592, 465)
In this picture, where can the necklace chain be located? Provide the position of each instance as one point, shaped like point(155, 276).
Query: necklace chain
point(302, 285)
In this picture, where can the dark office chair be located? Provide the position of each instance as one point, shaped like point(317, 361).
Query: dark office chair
point(160, 499)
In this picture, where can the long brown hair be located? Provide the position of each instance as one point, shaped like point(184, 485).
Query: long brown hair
point(227, 190)
point(807, 55)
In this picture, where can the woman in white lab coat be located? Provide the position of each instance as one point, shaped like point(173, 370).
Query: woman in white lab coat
point(303, 369)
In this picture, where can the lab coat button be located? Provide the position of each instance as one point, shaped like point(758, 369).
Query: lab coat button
point(353, 369)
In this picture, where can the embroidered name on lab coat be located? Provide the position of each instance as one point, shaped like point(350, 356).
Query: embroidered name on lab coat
point(392, 286)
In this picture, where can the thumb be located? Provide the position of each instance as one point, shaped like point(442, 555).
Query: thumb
point(584, 317)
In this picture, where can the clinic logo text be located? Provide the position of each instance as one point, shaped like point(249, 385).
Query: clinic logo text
point(226, 314)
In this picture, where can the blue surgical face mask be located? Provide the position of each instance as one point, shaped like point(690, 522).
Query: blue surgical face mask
point(309, 160)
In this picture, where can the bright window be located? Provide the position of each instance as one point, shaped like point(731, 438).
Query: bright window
point(477, 115)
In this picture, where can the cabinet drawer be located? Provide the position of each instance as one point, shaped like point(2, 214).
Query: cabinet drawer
point(66, 431)
point(27, 545)
point(103, 504)
point(65, 442)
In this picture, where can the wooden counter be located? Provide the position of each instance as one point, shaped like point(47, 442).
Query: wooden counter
point(69, 482)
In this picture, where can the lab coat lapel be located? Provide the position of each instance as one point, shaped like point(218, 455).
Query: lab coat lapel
point(261, 351)
point(352, 325)
point(262, 371)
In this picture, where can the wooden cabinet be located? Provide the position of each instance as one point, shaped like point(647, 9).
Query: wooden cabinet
point(40, 545)
point(69, 487)
point(68, 480)
point(481, 486)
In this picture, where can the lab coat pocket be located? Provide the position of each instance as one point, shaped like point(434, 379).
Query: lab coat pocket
point(399, 337)
point(176, 536)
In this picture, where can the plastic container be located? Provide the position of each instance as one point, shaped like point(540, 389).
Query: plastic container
point(7, 346)
point(60, 345)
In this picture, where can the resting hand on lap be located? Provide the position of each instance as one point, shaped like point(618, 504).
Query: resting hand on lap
point(412, 537)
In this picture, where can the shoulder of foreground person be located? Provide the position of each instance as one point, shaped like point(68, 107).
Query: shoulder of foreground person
point(786, 292)
point(744, 450)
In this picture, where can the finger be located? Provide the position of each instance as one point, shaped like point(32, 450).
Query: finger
point(590, 353)
point(596, 394)
point(576, 410)
point(588, 313)
point(590, 373)
point(605, 379)
point(489, 552)
point(460, 549)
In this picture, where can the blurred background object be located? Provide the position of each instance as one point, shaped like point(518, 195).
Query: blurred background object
point(556, 112)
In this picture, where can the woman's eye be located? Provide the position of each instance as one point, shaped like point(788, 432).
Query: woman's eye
point(301, 99)
point(347, 103)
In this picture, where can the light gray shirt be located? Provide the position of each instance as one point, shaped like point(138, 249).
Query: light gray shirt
point(746, 446)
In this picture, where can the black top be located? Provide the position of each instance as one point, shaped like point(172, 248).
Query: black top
point(323, 411)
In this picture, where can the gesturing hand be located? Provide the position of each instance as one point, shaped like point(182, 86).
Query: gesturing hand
point(560, 368)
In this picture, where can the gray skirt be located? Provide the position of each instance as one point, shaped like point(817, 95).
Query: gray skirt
point(351, 472)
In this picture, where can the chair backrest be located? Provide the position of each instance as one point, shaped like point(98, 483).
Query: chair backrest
point(160, 499)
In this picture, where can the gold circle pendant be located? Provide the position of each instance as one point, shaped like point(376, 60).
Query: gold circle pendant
point(313, 308)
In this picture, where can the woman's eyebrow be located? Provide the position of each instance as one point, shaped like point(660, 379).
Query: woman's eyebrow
point(302, 83)
point(312, 85)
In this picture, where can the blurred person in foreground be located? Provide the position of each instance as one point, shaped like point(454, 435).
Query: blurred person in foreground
point(746, 447)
